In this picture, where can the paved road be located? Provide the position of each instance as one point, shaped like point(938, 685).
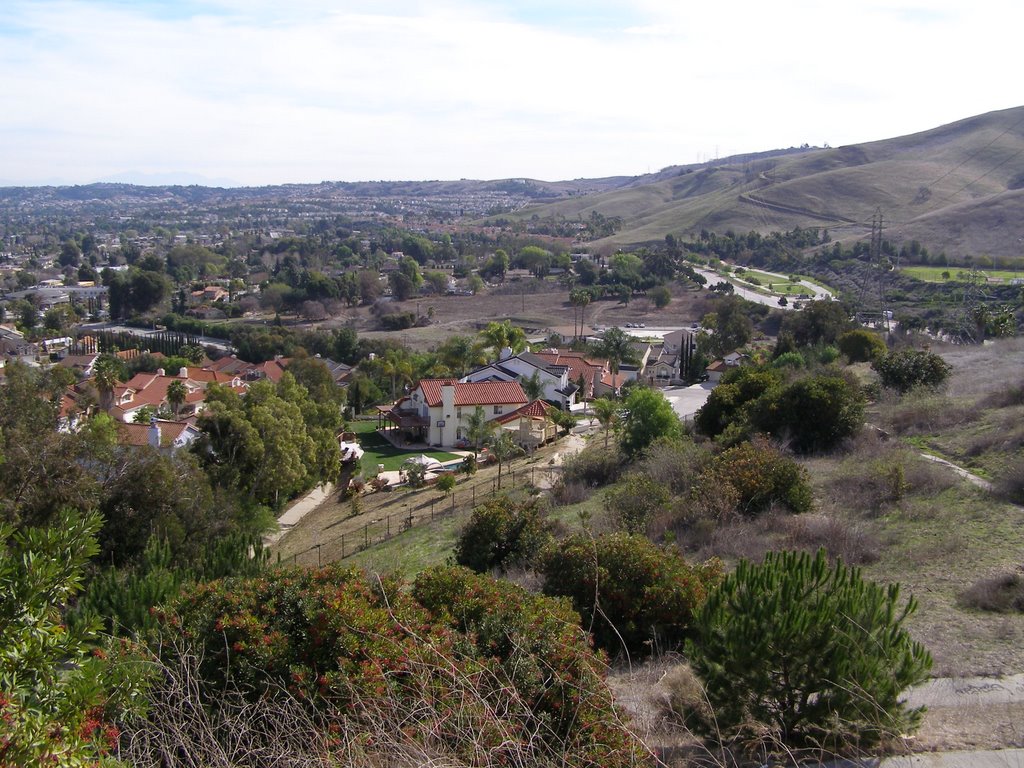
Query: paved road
point(758, 298)
point(991, 758)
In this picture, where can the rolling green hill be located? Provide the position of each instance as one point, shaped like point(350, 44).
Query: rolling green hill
point(958, 188)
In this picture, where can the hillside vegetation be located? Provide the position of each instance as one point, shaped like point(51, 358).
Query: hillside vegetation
point(955, 188)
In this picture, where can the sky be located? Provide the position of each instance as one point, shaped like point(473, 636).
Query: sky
point(255, 92)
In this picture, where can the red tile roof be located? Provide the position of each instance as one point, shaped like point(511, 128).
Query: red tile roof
point(579, 365)
point(432, 389)
point(538, 409)
point(474, 392)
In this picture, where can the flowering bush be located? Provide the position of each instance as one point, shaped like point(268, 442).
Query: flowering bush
point(461, 661)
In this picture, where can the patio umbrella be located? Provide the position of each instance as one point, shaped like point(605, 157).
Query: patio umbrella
point(426, 461)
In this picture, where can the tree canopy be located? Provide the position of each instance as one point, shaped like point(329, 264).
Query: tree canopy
point(648, 416)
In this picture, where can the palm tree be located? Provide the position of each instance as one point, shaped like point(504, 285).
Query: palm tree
point(532, 385)
point(176, 394)
point(398, 367)
point(106, 374)
point(578, 297)
point(607, 413)
point(498, 336)
point(461, 353)
point(616, 347)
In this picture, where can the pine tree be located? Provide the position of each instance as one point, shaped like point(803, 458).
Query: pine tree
point(813, 656)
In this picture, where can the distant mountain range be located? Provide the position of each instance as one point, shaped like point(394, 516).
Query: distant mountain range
point(957, 188)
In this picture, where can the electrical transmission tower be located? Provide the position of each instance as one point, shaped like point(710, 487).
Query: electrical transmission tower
point(881, 264)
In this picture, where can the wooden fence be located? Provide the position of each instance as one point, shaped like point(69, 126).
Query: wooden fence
point(416, 510)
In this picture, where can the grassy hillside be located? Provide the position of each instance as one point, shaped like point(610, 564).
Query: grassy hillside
point(956, 188)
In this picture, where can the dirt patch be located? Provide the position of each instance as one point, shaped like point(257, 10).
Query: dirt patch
point(537, 306)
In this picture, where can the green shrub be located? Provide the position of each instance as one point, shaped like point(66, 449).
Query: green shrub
point(647, 417)
point(594, 466)
point(465, 667)
point(761, 475)
point(805, 655)
point(60, 693)
point(731, 400)
point(502, 534)
point(445, 483)
point(816, 413)
point(635, 500)
point(906, 369)
point(828, 355)
point(793, 360)
point(633, 596)
point(861, 346)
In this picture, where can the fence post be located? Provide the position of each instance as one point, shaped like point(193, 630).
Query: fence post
point(431, 511)
point(343, 546)
point(389, 526)
point(366, 535)
point(318, 564)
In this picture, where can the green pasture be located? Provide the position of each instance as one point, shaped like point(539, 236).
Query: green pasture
point(958, 274)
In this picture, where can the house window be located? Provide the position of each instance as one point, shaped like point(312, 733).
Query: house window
point(497, 410)
point(458, 434)
point(458, 412)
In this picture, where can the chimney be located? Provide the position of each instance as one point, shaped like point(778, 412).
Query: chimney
point(183, 373)
point(161, 372)
point(153, 434)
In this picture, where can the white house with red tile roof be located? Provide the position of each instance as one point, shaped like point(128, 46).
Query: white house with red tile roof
point(585, 372)
point(209, 294)
point(150, 389)
point(438, 410)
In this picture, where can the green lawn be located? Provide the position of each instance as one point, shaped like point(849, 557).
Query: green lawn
point(780, 286)
point(944, 274)
point(379, 451)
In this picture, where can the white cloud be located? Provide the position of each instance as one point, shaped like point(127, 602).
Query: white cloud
point(267, 93)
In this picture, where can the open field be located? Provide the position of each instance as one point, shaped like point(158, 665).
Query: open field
point(947, 274)
point(535, 305)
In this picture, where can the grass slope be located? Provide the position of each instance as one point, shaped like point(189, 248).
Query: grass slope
point(945, 187)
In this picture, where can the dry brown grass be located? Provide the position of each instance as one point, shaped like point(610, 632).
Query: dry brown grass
point(534, 305)
point(1003, 593)
point(184, 728)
